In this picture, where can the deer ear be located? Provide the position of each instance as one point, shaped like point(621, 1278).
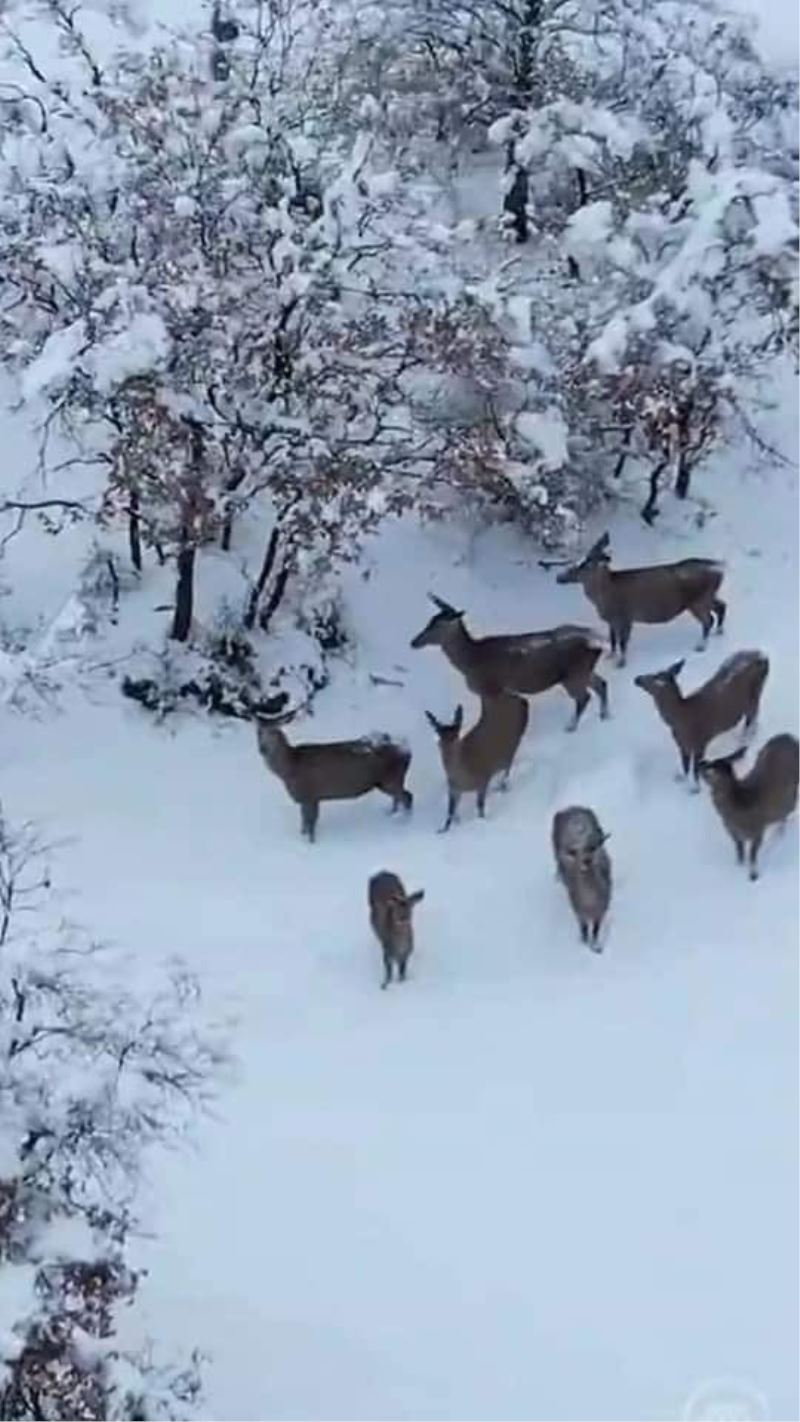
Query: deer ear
point(415, 898)
point(736, 756)
point(433, 721)
point(458, 719)
point(676, 668)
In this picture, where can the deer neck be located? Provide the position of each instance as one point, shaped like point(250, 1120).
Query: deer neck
point(276, 752)
point(597, 585)
point(673, 708)
point(458, 647)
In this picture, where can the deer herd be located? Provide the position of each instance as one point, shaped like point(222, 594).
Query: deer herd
point(502, 671)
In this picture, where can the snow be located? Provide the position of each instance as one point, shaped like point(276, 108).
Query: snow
point(532, 1182)
point(546, 432)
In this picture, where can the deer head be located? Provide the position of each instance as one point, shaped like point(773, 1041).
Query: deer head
point(443, 620)
point(598, 556)
point(655, 683)
point(447, 732)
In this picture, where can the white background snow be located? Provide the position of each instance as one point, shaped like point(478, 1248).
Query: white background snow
point(533, 1182)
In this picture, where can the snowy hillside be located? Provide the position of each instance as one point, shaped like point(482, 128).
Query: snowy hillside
point(533, 1181)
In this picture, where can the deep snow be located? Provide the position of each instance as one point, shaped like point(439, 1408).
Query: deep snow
point(532, 1182)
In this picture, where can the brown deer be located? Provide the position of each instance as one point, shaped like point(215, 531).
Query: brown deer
point(584, 868)
point(471, 761)
point(526, 663)
point(767, 795)
point(731, 694)
point(390, 913)
point(655, 594)
point(334, 770)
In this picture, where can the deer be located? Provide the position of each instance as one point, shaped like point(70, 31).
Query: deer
point(733, 693)
point(334, 770)
point(584, 867)
point(766, 796)
point(659, 593)
point(390, 912)
point(488, 749)
point(526, 663)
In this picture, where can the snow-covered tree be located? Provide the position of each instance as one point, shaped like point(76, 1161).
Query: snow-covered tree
point(92, 1076)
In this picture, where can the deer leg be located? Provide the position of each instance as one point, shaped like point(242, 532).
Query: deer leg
point(719, 608)
point(309, 814)
point(705, 617)
point(452, 811)
point(387, 970)
point(481, 799)
point(685, 765)
point(755, 845)
point(401, 971)
point(584, 932)
point(612, 637)
point(624, 633)
point(595, 944)
point(505, 779)
point(600, 688)
point(739, 851)
point(581, 699)
point(695, 785)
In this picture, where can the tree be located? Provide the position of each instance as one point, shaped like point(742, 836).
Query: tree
point(92, 1079)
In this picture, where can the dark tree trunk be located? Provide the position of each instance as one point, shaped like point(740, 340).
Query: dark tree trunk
point(135, 531)
point(572, 266)
point(650, 510)
point(620, 464)
point(275, 598)
point(684, 476)
point(184, 594)
point(515, 202)
point(267, 565)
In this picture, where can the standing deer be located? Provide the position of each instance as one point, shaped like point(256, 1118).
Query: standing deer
point(655, 594)
point(767, 795)
point(334, 770)
point(390, 913)
point(583, 866)
point(471, 761)
point(732, 693)
point(526, 663)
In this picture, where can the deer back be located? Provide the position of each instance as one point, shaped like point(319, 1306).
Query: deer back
point(661, 592)
point(390, 911)
point(532, 662)
point(773, 780)
point(491, 744)
point(343, 770)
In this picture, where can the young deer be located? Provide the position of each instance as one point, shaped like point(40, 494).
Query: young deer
point(390, 913)
point(471, 761)
point(584, 868)
point(334, 770)
point(767, 795)
point(654, 594)
point(732, 693)
point(525, 663)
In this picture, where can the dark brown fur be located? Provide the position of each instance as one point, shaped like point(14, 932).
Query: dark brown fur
point(654, 594)
point(488, 748)
point(390, 913)
point(766, 796)
point(733, 693)
point(527, 663)
point(334, 770)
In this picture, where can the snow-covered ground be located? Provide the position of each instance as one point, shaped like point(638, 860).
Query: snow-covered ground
point(532, 1182)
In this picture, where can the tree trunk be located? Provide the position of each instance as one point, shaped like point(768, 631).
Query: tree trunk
point(275, 598)
point(184, 594)
point(515, 202)
point(650, 510)
point(135, 531)
point(261, 581)
point(684, 476)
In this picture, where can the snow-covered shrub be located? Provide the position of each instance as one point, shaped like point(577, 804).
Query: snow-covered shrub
point(93, 1076)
